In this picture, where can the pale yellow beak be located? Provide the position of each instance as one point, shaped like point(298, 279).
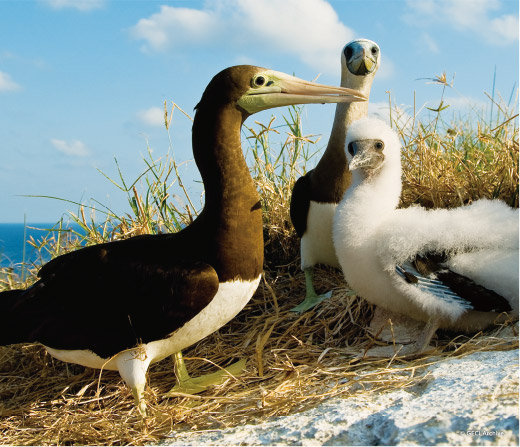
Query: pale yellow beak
point(279, 89)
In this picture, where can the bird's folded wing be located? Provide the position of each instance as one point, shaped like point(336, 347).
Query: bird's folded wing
point(300, 202)
point(428, 273)
point(108, 299)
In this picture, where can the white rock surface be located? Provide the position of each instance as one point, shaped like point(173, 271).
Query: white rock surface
point(471, 400)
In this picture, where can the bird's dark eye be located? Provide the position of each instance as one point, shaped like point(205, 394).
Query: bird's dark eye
point(374, 50)
point(348, 53)
point(351, 150)
point(259, 81)
point(379, 145)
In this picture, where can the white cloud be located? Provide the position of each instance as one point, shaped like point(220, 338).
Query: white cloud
point(469, 15)
point(308, 29)
point(505, 27)
point(462, 104)
point(403, 114)
point(7, 84)
point(6, 55)
point(399, 115)
point(80, 5)
point(153, 116)
point(75, 147)
point(428, 41)
point(38, 62)
point(175, 27)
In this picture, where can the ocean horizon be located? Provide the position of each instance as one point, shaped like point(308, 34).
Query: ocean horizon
point(13, 242)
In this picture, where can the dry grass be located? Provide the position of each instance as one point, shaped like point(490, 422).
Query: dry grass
point(294, 361)
point(456, 167)
point(449, 164)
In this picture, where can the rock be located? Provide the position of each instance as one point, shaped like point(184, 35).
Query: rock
point(471, 400)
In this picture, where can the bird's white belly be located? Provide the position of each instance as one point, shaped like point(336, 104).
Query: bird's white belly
point(316, 244)
point(365, 275)
point(229, 300)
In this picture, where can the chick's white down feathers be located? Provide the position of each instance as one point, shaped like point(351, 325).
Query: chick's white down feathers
point(372, 237)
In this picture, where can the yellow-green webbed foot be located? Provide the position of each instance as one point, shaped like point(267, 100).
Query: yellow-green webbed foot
point(311, 298)
point(189, 385)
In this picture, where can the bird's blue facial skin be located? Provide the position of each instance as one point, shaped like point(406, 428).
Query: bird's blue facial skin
point(361, 57)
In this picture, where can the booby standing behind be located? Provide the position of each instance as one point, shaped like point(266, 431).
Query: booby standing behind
point(123, 305)
point(316, 195)
point(455, 269)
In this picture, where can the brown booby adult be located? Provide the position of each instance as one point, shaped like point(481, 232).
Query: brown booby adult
point(316, 195)
point(123, 305)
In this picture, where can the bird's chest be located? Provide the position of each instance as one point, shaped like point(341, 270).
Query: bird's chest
point(239, 245)
point(230, 299)
point(317, 245)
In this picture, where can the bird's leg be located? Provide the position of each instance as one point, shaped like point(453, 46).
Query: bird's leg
point(311, 298)
point(132, 366)
point(189, 385)
point(138, 393)
point(402, 350)
point(424, 340)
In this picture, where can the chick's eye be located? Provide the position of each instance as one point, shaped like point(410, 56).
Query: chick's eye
point(379, 145)
point(374, 50)
point(259, 81)
point(351, 149)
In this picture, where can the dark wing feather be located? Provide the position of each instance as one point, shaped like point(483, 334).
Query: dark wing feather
point(110, 297)
point(429, 274)
point(300, 202)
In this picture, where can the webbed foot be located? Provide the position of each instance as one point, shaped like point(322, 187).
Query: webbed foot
point(188, 385)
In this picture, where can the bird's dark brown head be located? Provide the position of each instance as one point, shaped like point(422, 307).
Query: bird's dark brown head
point(228, 86)
point(253, 89)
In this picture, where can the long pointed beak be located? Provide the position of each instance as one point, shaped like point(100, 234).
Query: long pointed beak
point(291, 85)
point(288, 90)
point(293, 90)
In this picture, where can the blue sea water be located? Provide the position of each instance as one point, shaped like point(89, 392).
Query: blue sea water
point(12, 242)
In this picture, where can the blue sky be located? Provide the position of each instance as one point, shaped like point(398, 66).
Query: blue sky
point(82, 82)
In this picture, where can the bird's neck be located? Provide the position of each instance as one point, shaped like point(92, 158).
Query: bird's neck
point(369, 200)
point(346, 114)
point(232, 214)
point(332, 171)
point(218, 154)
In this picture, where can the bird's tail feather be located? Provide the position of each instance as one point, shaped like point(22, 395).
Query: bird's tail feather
point(9, 329)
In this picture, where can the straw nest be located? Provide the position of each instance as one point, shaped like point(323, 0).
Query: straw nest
point(293, 363)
